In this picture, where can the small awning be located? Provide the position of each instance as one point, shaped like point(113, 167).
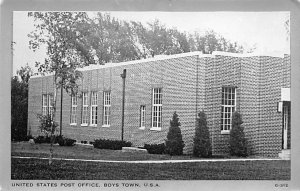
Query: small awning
point(285, 94)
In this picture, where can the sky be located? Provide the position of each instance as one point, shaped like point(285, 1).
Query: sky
point(265, 30)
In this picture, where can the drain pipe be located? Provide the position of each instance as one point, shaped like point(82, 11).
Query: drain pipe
point(61, 107)
point(123, 102)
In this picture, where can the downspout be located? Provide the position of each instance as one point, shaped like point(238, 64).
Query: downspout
point(197, 86)
point(61, 103)
point(259, 109)
point(123, 102)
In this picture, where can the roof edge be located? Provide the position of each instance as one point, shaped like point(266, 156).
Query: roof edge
point(153, 59)
point(271, 54)
point(166, 57)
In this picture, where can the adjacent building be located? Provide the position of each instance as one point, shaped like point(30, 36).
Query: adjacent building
point(220, 83)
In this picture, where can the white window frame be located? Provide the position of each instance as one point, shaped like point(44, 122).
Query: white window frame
point(94, 108)
point(50, 104)
point(44, 104)
point(106, 108)
point(74, 103)
point(85, 109)
point(156, 109)
point(142, 117)
point(228, 107)
point(47, 104)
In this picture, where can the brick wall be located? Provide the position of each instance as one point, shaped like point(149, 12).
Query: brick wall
point(177, 78)
point(258, 81)
point(221, 71)
point(249, 101)
point(189, 84)
point(272, 79)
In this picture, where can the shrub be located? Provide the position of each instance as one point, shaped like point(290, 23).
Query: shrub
point(69, 142)
point(202, 145)
point(46, 124)
point(42, 139)
point(28, 137)
point(237, 142)
point(155, 148)
point(111, 144)
point(19, 109)
point(62, 141)
point(174, 142)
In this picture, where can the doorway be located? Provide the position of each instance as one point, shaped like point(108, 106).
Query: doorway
point(286, 125)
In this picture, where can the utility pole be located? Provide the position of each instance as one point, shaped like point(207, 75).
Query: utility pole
point(123, 76)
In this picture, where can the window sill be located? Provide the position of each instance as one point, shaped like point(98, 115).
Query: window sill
point(142, 128)
point(73, 124)
point(84, 125)
point(155, 129)
point(225, 132)
point(105, 125)
point(93, 125)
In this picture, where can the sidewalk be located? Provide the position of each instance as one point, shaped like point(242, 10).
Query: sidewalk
point(155, 161)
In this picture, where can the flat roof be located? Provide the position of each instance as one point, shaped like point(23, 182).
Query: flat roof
point(152, 59)
point(166, 57)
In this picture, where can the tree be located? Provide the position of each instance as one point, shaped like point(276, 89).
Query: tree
point(47, 125)
point(287, 28)
point(19, 104)
point(64, 34)
point(174, 142)
point(25, 73)
point(211, 41)
point(202, 145)
point(112, 40)
point(237, 142)
point(156, 39)
point(116, 40)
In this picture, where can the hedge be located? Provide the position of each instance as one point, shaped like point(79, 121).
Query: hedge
point(62, 141)
point(155, 148)
point(111, 144)
point(42, 139)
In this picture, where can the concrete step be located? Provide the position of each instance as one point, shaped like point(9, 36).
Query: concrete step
point(285, 154)
point(133, 150)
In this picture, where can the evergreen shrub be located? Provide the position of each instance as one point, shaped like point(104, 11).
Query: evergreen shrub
point(174, 142)
point(237, 142)
point(202, 144)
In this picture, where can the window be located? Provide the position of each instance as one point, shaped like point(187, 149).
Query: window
point(94, 108)
point(50, 104)
point(106, 109)
point(74, 110)
point(47, 104)
point(156, 109)
point(228, 107)
point(142, 116)
point(85, 106)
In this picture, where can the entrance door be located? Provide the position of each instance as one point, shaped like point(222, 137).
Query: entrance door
point(285, 126)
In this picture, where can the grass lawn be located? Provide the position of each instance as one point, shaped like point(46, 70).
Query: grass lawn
point(84, 152)
point(37, 169)
point(89, 152)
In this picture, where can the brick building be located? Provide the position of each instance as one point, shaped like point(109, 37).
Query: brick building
point(255, 85)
